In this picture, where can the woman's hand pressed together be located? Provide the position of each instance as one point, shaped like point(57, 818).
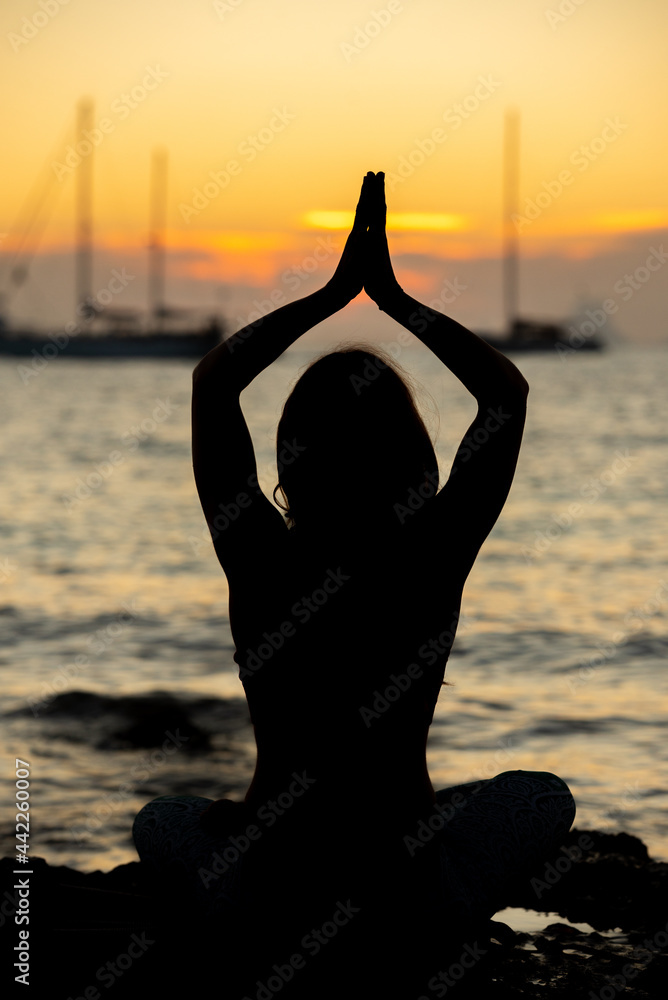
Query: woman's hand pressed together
point(348, 279)
point(380, 282)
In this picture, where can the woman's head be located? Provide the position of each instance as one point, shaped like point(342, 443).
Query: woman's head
point(350, 440)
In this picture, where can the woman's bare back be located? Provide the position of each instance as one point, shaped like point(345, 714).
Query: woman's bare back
point(342, 649)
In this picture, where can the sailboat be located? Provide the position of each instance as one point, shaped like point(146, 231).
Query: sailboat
point(102, 331)
point(522, 334)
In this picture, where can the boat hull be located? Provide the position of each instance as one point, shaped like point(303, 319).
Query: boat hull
point(173, 345)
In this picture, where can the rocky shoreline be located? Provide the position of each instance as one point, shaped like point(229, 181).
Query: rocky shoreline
point(90, 932)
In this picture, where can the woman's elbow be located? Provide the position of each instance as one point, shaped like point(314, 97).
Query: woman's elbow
point(516, 384)
point(514, 387)
point(217, 371)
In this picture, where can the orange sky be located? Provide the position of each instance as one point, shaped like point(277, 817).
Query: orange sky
point(271, 113)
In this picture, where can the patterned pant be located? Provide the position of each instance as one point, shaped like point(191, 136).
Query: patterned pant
point(488, 834)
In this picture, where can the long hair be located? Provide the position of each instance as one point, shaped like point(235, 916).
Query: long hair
point(351, 439)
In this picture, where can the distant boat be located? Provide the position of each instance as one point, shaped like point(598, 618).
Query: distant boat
point(523, 334)
point(100, 331)
point(115, 342)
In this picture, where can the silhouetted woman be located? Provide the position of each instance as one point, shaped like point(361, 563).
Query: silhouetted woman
point(343, 614)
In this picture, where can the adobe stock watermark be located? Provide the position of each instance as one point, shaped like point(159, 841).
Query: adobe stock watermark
point(131, 440)
point(312, 943)
point(268, 814)
point(297, 274)
point(141, 772)
point(383, 700)
point(402, 682)
point(632, 795)
point(444, 812)
point(445, 980)
point(582, 158)
point(450, 291)
point(642, 955)
point(31, 26)
point(555, 869)
point(434, 824)
point(454, 117)
point(564, 10)
point(635, 620)
point(8, 907)
point(7, 569)
point(249, 150)
point(364, 34)
point(472, 443)
point(228, 513)
point(114, 969)
point(625, 287)
point(505, 752)
point(302, 611)
point(122, 107)
point(103, 296)
point(419, 320)
point(97, 642)
point(591, 491)
point(432, 311)
point(225, 7)
point(293, 277)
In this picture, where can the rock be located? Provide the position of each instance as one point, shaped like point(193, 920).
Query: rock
point(139, 721)
point(605, 880)
point(87, 919)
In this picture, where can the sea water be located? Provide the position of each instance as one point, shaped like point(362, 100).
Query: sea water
point(110, 586)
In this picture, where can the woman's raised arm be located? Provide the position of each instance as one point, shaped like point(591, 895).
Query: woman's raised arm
point(483, 370)
point(469, 504)
point(238, 514)
point(236, 362)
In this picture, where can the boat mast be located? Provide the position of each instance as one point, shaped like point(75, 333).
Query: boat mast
point(511, 200)
point(84, 223)
point(156, 243)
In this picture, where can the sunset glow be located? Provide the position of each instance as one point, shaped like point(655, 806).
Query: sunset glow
point(272, 115)
point(411, 221)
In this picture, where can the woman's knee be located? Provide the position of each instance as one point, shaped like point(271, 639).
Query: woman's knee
point(541, 783)
point(163, 812)
point(545, 777)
